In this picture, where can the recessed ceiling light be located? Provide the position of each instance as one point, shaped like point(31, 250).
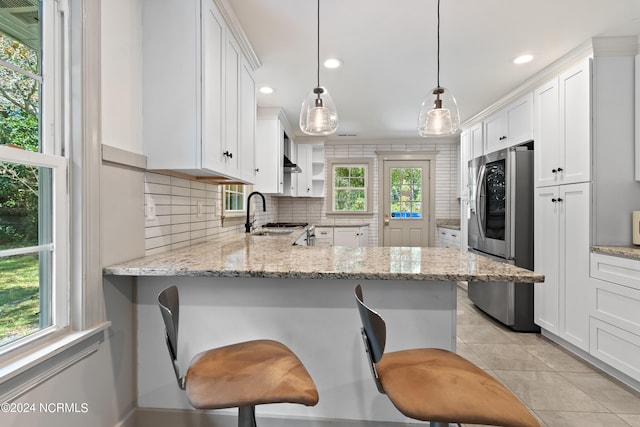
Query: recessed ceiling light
point(267, 90)
point(333, 63)
point(523, 59)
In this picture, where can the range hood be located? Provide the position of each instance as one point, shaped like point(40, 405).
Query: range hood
point(291, 167)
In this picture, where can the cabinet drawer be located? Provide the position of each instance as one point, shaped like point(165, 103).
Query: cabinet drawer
point(615, 346)
point(324, 233)
point(617, 305)
point(622, 271)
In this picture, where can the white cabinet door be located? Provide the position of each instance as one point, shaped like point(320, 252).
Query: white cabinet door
point(269, 158)
point(563, 128)
point(463, 168)
point(213, 51)
point(346, 236)
point(494, 132)
point(304, 178)
point(546, 258)
point(510, 126)
point(477, 140)
point(575, 123)
point(547, 134)
point(247, 124)
point(561, 253)
point(351, 236)
point(574, 271)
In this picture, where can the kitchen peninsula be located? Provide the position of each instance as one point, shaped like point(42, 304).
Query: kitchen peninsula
point(249, 286)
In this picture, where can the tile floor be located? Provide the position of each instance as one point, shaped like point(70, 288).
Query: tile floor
point(559, 388)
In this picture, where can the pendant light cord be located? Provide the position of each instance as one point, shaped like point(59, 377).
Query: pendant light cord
point(318, 45)
point(438, 38)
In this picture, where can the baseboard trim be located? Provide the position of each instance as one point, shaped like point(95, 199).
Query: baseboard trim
point(158, 417)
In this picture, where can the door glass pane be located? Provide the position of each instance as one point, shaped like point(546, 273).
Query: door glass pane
point(406, 193)
point(495, 200)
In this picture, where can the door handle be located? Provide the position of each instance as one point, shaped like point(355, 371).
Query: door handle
point(386, 219)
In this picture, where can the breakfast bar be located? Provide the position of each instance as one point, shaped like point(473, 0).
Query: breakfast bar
point(261, 286)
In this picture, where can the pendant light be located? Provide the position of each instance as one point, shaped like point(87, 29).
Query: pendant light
point(439, 113)
point(318, 115)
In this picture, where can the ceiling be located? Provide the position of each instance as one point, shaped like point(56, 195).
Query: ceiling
point(389, 52)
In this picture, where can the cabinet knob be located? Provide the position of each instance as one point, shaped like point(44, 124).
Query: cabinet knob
point(554, 200)
point(559, 169)
point(257, 169)
point(228, 154)
point(554, 170)
point(559, 199)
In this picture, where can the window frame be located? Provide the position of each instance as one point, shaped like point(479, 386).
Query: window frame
point(233, 213)
point(364, 162)
point(70, 131)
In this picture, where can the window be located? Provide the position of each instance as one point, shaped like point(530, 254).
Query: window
point(33, 183)
point(349, 187)
point(233, 198)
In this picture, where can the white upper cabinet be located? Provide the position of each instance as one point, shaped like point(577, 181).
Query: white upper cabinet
point(309, 182)
point(198, 91)
point(563, 128)
point(271, 131)
point(510, 126)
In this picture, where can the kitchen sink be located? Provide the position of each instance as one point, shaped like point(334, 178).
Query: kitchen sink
point(271, 232)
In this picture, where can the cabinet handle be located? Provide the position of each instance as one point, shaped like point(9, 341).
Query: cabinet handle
point(502, 137)
point(228, 154)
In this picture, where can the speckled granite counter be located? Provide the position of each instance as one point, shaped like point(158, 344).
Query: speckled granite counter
point(275, 257)
point(632, 252)
point(453, 224)
point(233, 290)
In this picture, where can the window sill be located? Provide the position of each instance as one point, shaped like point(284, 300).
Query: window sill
point(23, 373)
point(368, 214)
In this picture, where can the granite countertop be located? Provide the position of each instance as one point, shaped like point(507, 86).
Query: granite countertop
point(453, 224)
point(342, 225)
point(275, 257)
point(632, 252)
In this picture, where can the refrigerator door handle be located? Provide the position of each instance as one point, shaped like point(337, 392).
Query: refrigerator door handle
point(479, 205)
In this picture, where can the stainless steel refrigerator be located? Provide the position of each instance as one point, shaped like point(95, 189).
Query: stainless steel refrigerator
point(501, 227)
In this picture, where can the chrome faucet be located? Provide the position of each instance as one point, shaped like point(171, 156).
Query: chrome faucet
point(249, 224)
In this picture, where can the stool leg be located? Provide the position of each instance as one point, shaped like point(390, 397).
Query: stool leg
point(440, 424)
point(247, 416)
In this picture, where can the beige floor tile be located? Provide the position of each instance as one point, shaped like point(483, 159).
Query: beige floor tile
point(548, 391)
point(464, 351)
point(483, 334)
point(632, 419)
point(580, 419)
point(557, 358)
point(507, 357)
point(606, 391)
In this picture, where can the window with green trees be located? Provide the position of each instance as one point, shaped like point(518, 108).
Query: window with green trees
point(32, 186)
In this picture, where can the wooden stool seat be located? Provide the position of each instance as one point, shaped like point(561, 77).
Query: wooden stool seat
point(240, 375)
point(247, 374)
point(438, 385)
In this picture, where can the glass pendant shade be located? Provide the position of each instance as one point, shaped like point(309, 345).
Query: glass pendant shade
point(318, 115)
point(439, 114)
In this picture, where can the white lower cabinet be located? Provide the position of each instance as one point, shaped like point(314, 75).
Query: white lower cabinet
point(351, 236)
point(614, 308)
point(447, 238)
point(324, 236)
point(562, 250)
point(356, 236)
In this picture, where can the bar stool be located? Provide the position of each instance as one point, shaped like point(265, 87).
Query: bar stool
point(436, 385)
point(238, 375)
